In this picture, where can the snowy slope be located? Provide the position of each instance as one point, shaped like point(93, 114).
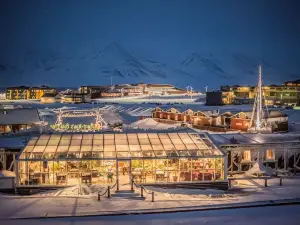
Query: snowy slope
point(98, 65)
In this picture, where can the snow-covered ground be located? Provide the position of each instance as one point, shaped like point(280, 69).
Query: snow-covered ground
point(66, 202)
point(130, 112)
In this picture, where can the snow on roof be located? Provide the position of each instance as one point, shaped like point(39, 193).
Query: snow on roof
point(259, 168)
point(120, 145)
point(150, 123)
point(19, 116)
point(223, 139)
point(13, 142)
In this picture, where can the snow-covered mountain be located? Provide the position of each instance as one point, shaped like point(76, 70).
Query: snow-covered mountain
point(99, 65)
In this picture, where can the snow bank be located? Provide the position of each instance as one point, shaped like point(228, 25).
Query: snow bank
point(259, 168)
point(150, 123)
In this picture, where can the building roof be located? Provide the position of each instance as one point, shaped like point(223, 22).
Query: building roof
point(121, 145)
point(19, 116)
point(49, 95)
point(224, 139)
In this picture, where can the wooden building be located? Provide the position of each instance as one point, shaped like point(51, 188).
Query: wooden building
point(14, 120)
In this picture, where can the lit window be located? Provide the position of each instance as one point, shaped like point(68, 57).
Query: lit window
point(270, 154)
point(247, 155)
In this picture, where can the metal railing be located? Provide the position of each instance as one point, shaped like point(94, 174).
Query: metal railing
point(107, 190)
point(142, 188)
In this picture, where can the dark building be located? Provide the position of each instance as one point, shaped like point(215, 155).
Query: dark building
point(214, 98)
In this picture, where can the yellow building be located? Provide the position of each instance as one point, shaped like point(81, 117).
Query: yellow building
point(24, 92)
point(17, 93)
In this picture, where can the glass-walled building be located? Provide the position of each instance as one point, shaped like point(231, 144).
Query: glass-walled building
point(148, 158)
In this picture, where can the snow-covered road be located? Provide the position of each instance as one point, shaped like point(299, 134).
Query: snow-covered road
point(277, 215)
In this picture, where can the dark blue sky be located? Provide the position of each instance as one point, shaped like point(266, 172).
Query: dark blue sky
point(166, 31)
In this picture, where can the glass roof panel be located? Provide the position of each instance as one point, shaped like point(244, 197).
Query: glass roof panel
point(44, 137)
point(157, 147)
point(42, 142)
point(121, 142)
point(98, 148)
point(109, 155)
point(173, 135)
point(87, 136)
point(120, 136)
point(169, 147)
point(55, 136)
point(98, 142)
point(163, 135)
point(183, 135)
point(177, 141)
point(53, 142)
point(135, 147)
point(64, 142)
point(120, 148)
point(146, 147)
point(180, 147)
point(132, 136)
point(191, 146)
point(86, 148)
point(142, 135)
point(66, 136)
point(109, 136)
point(109, 142)
point(50, 149)
point(155, 141)
point(62, 148)
point(201, 146)
point(28, 149)
point(77, 136)
point(98, 136)
point(76, 142)
point(153, 135)
point(133, 141)
point(166, 141)
point(144, 141)
point(187, 141)
point(39, 149)
point(75, 148)
point(31, 142)
point(87, 142)
point(186, 144)
point(108, 148)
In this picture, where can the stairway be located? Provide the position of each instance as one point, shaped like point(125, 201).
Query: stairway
point(127, 194)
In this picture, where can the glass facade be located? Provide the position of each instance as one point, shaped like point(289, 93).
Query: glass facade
point(70, 159)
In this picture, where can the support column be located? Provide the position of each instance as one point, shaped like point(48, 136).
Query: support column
point(16, 167)
point(225, 167)
point(117, 174)
point(284, 158)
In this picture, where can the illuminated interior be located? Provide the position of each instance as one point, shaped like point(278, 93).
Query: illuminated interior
point(70, 159)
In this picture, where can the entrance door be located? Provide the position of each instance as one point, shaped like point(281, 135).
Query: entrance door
point(124, 172)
